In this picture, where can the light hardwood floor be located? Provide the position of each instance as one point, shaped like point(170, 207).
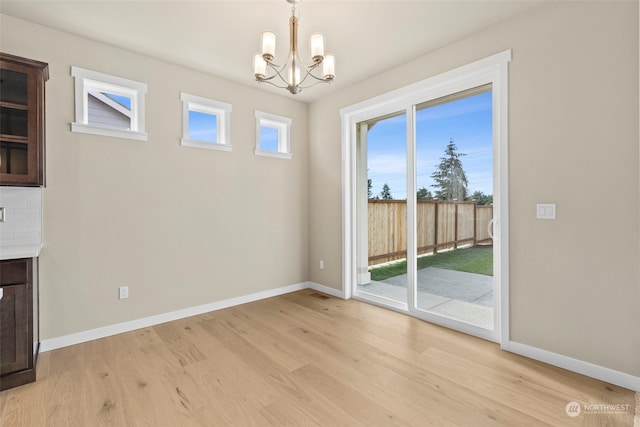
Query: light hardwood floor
point(301, 359)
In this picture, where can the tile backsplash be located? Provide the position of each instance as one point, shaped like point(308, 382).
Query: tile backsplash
point(22, 223)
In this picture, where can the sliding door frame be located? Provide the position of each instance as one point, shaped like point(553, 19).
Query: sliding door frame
point(494, 70)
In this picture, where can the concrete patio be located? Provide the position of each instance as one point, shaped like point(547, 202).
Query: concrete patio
point(467, 297)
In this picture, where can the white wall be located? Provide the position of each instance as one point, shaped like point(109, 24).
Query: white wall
point(573, 140)
point(180, 226)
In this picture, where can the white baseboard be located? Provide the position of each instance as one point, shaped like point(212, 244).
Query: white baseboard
point(93, 334)
point(585, 368)
point(338, 293)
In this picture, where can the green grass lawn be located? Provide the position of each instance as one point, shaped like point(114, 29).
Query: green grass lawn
point(472, 260)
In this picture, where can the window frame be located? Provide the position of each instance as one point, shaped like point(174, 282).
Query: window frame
point(283, 125)
point(87, 81)
point(221, 110)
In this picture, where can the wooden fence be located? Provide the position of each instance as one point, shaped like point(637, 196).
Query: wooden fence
point(441, 225)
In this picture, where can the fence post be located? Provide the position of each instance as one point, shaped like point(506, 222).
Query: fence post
point(455, 224)
point(475, 222)
point(435, 226)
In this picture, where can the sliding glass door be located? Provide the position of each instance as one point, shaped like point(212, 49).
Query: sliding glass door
point(424, 211)
point(454, 208)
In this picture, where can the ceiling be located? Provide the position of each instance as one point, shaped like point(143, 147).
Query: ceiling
point(220, 37)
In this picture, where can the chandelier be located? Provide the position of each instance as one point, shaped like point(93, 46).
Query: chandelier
point(292, 75)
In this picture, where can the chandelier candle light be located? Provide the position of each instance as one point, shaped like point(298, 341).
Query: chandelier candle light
point(293, 81)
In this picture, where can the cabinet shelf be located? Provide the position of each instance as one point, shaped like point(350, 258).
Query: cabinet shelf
point(5, 137)
point(13, 105)
point(22, 118)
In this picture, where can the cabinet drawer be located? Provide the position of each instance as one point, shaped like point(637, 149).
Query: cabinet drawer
point(15, 272)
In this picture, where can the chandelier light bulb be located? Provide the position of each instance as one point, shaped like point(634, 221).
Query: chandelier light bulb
point(329, 67)
point(317, 47)
point(268, 45)
point(294, 81)
point(259, 67)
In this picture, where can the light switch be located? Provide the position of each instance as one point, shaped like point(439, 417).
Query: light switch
point(546, 211)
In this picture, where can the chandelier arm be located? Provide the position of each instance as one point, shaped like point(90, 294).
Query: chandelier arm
point(310, 73)
point(315, 82)
point(277, 70)
point(274, 65)
point(314, 65)
point(320, 79)
point(265, 79)
point(272, 83)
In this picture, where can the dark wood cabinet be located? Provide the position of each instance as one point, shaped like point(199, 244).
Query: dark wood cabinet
point(18, 333)
point(22, 120)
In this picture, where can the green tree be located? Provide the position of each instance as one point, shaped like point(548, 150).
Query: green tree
point(450, 177)
point(369, 192)
point(481, 198)
point(423, 194)
point(385, 194)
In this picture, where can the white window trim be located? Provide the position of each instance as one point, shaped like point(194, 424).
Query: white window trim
point(493, 69)
point(219, 109)
point(283, 124)
point(87, 81)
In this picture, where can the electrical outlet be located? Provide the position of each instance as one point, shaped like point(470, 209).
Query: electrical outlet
point(321, 264)
point(123, 292)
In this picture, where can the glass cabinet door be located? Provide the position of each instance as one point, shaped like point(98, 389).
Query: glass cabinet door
point(21, 121)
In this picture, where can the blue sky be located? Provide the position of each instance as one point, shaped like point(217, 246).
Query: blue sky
point(467, 121)
point(203, 126)
point(122, 100)
point(268, 138)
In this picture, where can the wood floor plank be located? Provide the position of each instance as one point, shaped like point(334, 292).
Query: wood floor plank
point(357, 316)
point(453, 405)
point(302, 359)
point(231, 375)
point(280, 344)
point(148, 382)
point(358, 405)
point(222, 328)
point(172, 334)
point(395, 391)
point(287, 415)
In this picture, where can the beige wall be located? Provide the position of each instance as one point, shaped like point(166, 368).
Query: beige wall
point(180, 226)
point(573, 140)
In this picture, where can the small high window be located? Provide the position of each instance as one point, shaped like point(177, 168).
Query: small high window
point(205, 123)
point(108, 105)
point(273, 135)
